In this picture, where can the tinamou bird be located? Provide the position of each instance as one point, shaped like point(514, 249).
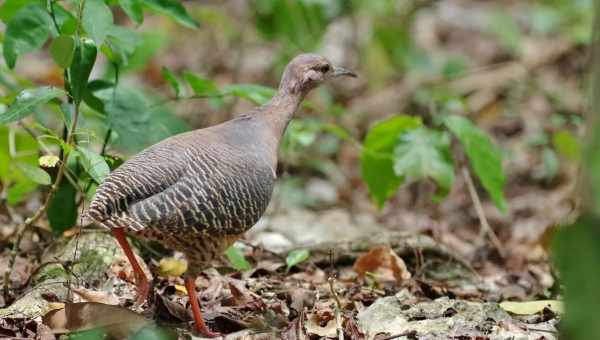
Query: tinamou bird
point(199, 191)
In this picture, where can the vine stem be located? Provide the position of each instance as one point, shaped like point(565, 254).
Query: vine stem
point(21, 228)
point(485, 226)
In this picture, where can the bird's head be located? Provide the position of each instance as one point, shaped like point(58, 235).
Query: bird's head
point(307, 71)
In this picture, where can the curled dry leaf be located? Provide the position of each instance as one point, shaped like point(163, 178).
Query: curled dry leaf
point(96, 296)
point(383, 262)
point(313, 327)
point(116, 321)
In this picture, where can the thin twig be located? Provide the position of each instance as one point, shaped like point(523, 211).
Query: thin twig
point(42, 210)
point(338, 309)
point(485, 226)
point(411, 333)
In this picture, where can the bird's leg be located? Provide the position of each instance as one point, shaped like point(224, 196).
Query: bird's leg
point(190, 285)
point(141, 281)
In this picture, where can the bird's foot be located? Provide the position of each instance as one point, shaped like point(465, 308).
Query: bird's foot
point(202, 329)
point(143, 289)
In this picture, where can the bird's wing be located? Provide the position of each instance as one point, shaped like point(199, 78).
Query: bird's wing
point(213, 196)
point(142, 176)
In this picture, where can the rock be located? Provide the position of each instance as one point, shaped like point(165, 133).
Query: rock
point(273, 241)
point(446, 318)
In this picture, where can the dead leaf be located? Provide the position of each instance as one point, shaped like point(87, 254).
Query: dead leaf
point(532, 307)
point(170, 266)
point(96, 296)
point(295, 330)
point(313, 327)
point(116, 321)
point(384, 263)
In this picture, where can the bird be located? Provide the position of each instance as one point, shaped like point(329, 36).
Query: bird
point(198, 192)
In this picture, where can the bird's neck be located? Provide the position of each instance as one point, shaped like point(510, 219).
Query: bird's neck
point(278, 112)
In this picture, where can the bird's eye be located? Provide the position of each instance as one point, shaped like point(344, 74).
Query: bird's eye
point(323, 68)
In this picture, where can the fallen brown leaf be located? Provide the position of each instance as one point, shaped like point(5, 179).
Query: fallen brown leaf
point(383, 262)
point(116, 321)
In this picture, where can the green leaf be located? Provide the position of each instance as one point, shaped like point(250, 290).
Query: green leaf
point(237, 259)
point(93, 164)
point(27, 101)
point(255, 93)
point(174, 9)
point(81, 67)
point(425, 153)
point(484, 157)
point(201, 86)
point(576, 255)
point(172, 80)
point(27, 31)
point(62, 209)
point(97, 20)
point(62, 49)
point(377, 157)
point(34, 173)
point(296, 257)
point(551, 163)
point(135, 124)
point(567, 145)
point(10, 7)
point(122, 43)
point(133, 9)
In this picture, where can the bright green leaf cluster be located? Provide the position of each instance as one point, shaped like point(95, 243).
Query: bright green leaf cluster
point(424, 153)
point(237, 259)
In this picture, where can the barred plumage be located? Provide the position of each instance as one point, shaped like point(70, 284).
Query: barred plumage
point(198, 192)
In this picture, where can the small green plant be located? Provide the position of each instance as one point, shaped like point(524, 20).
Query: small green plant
point(296, 257)
point(402, 148)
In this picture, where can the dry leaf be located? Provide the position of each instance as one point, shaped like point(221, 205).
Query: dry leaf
point(384, 263)
point(170, 266)
point(532, 307)
point(313, 327)
point(116, 321)
point(96, 296)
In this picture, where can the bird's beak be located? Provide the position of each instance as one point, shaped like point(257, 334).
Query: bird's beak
point(340, 71)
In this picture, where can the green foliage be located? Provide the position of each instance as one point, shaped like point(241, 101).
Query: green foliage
point(172, 80)
point(81, 67)
point(567, 145)
point(26, 32)
point(424, 153)
point(201, 86)
point(483, 155)
point(296, 257)
point(93, 164)
point(62, 49)
point(297, 24)
point(377, 157)
point(27, 101)
point(506, 30)
point(97, 20)
point(174, 9)
point(255, 93)
point(135, 122)
point(134, 10)
point(34, 173)
point(62, 209)
point(154, 332)
point(237, 259)
point(576, 254)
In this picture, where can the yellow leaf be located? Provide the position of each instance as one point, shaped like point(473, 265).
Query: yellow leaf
point(532, 307)
point(48, 161)
point(181, 290)
point(170, 266)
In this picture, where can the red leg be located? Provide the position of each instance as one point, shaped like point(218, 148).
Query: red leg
point(190, 285)
point(143, 286)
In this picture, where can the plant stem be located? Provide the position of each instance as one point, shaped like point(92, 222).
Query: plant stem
point(40, 212)
point(485, 226)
